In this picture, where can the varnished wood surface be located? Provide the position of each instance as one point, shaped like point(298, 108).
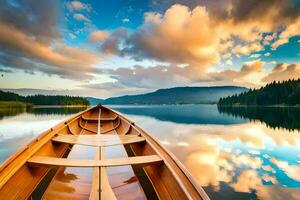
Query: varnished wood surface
point(17, 181)
point(98, 140)
point(100, 187)
point(106, 190)
point(97, 127)
point(95, 189)
point(171, 180)
point(39, 161)
point(102, 119)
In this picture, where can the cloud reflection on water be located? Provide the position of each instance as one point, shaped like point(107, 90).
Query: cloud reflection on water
point(241, 156)
point(233, 160)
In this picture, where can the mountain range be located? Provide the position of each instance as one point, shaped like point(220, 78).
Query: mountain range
point(177, 95)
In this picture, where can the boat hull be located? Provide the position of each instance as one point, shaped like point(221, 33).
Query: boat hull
point(167, 178)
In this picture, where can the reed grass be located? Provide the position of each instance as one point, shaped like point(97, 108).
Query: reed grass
point(14, 104)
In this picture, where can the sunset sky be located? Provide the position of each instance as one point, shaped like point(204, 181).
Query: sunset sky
point(109, 48)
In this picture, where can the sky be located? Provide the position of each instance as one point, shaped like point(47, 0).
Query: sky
point(111, 48)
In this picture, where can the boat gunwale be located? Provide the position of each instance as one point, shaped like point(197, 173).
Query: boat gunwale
point(58, 127)
point(66, 122)
point(183, 169)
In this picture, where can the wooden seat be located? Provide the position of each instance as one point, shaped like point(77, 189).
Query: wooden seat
point(98, 140)
point(102, 119)
point(52, 161)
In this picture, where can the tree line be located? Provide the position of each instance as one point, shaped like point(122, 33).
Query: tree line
point(275, 93)
point(44, 99)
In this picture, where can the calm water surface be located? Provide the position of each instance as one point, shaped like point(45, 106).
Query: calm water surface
point(232, 153)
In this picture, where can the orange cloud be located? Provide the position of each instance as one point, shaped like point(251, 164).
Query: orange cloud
point(292, 30)
point(77, 5)
point(177, 37)
point(199, 38)
point(283, 72)
point(269, 38)
point(246, 160)
point(247, 181)
point(242, 77)
point(98, 36)
point(293, 171)
point(247, 49)
point(268, 168)
point(269, 178)
point(210, 159)
point(61, 58)
point(205, 154)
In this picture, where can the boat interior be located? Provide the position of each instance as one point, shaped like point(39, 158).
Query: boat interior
point(96, 154)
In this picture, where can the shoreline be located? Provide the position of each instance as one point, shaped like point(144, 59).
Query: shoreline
point(60, 106)
point(16, 104)
point(25, 105)
point(262, 106)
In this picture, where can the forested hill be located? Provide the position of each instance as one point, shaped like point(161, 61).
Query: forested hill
point(178, 95)
point(276, 93)
point(44, 99)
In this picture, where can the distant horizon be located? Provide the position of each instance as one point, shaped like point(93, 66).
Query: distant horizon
point(59, 92)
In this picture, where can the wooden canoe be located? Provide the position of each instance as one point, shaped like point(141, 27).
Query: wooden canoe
point(96, 154)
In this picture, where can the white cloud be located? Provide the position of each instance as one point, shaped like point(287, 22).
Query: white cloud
point(80, 17)
point(255, 56)
point(229, 62)
point(72, 36)
point(77, 5)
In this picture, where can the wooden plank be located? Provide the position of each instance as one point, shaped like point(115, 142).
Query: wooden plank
point(98, 140)
point(176, 180)
point(95, 191)
point(53, 161)
point(106, 190)
point(17, 181)
point(96, 119)
point(138, 160)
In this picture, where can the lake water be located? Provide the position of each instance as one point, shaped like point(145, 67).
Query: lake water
point(241, 153)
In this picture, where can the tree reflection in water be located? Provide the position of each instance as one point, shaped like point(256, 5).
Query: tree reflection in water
point(274, 117)
point(10, 112)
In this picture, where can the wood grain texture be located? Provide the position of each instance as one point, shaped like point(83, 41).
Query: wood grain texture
point(171, 180)
point(95, 189)
point(102, 119)
point(97, 140)
point(106, 190)
point(21, 174)
point(38, 161)
point(17, 180)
